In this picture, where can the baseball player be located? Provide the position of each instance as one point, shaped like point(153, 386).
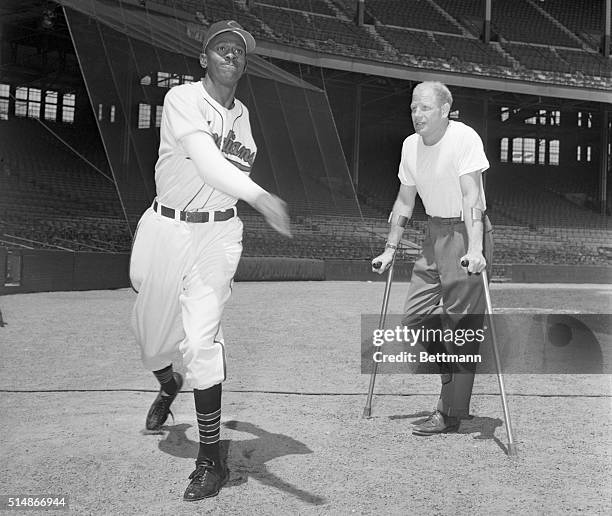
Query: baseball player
point(443, 162)
point(188, 243)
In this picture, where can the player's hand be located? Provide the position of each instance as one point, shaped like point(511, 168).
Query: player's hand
point(275, 212)
point(384, 259)
point(476, 262)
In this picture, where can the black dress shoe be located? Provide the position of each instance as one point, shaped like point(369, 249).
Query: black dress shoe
point(206, 480)
point(437, 423)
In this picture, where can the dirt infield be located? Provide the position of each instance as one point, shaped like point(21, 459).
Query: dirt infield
point(75, 395)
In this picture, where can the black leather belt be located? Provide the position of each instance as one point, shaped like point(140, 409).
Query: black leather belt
point(444, 220)
point(450, 220)
point(194, 216)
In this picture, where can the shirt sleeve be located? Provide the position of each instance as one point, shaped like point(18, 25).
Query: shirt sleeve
point(182, 113)
point(404, 173)
point(472, 157)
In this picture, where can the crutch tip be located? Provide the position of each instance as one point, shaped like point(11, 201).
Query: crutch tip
point(512, 450)
point(367, 412)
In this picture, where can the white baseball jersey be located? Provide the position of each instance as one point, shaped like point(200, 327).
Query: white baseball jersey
point(189, 108)
point(435, 169)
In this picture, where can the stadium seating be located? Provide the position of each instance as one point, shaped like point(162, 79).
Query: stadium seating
point(520, 20)
point(423, 33)
point(471, 9)
point(537, 57)
point(419, 44)
point(588, 63)
point(470, 14)
point(529, 202)
point(315, 31)
point(515, 244)
point(223, 10)
point(54, 170)
point(50, 195)
point(583, 17)
point(471, 50)
point(416, 14)
point(431, 30)
point(308, 6)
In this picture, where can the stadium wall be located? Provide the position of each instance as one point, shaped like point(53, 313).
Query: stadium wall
point(50, 270)
point(533, 273)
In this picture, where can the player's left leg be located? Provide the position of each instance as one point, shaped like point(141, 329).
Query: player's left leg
point(207, 287)
point(464, 303)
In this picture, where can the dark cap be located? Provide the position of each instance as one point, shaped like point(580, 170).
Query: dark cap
point(229, 26)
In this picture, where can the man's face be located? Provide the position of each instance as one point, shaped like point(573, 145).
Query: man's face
point(225, 58)
point(428, 116)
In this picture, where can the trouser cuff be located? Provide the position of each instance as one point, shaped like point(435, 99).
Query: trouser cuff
point(460, 412)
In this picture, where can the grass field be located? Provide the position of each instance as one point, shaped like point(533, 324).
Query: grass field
point(75, 395)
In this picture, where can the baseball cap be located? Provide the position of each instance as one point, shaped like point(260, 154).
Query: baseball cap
point(229, 26)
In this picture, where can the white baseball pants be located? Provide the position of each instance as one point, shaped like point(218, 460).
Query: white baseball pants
point(183, 275)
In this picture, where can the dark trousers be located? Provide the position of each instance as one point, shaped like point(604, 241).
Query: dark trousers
point(440, 295)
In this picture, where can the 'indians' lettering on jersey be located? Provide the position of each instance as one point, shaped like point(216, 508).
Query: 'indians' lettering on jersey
point(189, 108)
point(234, 148)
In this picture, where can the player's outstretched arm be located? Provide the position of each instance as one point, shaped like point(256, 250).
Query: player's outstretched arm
point(217, 172)
point(402, 211)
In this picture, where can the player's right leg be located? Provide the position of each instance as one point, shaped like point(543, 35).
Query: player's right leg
point(159, 258)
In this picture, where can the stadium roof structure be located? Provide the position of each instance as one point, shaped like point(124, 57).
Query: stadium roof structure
point(512, 84)
point(170, 25)
point(170, 29)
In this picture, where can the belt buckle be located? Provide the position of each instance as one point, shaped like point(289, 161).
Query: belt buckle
point(196, 216)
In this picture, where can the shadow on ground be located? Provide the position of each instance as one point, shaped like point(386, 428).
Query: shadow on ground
point(483, 426)
point(246, 458)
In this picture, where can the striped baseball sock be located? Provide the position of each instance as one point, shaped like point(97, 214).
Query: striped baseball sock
point(208, 411)
point(165, 377)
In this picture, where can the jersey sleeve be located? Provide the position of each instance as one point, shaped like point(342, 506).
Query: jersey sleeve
point(404, 173)
point(182, 113)
point(471, 157)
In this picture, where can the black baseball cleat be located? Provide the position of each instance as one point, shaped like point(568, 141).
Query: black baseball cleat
point(437, 423)
point(158, 413)
point(206, 480)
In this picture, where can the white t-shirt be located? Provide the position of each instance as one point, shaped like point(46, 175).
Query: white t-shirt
point(435, 169)
point(189, 108)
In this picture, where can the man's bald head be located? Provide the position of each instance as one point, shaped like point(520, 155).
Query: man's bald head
point(441, 92)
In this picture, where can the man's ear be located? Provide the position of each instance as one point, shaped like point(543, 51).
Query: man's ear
point(203, 60)
point(445, 109)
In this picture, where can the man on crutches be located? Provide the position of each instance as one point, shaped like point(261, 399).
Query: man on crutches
point(443, 162)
